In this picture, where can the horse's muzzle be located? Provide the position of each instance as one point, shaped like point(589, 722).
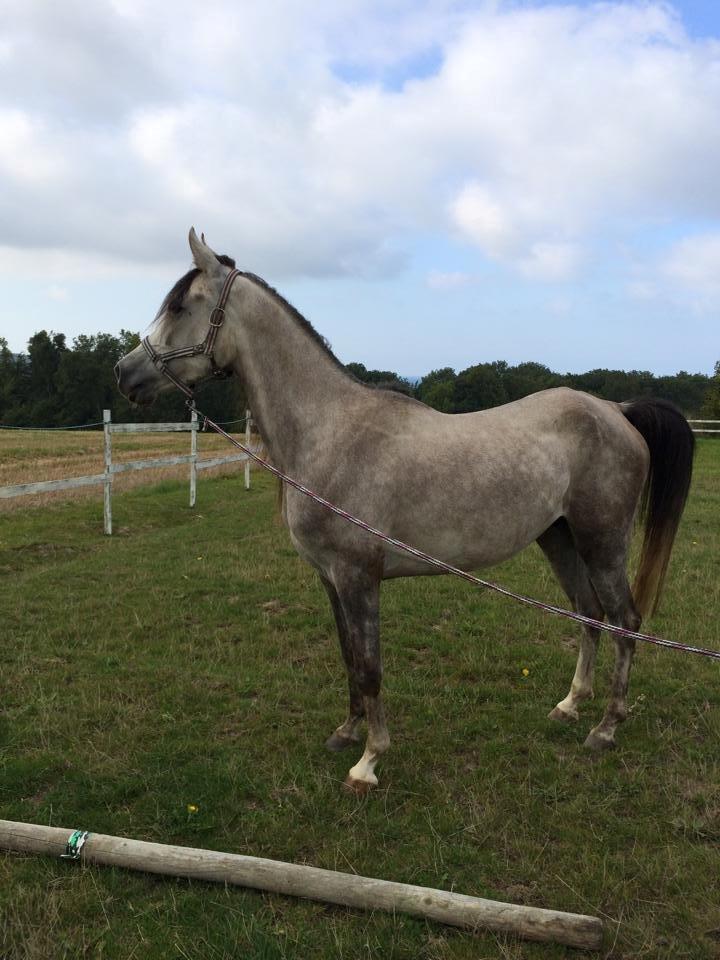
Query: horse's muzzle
point(132, 382)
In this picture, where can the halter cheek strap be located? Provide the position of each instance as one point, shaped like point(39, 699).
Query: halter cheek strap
point(205, 348)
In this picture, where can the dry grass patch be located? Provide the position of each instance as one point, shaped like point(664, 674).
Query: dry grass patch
point(30, 456)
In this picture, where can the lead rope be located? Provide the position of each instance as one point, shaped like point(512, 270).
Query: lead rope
point(456, 571)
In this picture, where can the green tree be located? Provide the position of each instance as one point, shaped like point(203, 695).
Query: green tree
point(686, 390)
point(527, 378)
point(85, 378)
point(711, 405)
point(45, 351)
point(437, 389)
point(11, 377)
point(385, 379)
point(480, 387)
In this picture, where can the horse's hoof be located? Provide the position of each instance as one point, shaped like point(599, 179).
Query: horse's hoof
point(598, 742)
point(359, 788)
point(336, 742)
point(557, 714)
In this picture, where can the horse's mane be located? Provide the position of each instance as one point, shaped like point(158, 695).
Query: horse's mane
point(173, 304)
point(298, 318)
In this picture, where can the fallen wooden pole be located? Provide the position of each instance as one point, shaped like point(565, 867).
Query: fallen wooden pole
point(295, 880)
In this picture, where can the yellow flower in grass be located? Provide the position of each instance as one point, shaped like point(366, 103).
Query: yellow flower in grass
point(192, 808)
point(525, 672)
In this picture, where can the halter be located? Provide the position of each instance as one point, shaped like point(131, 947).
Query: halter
point(205, 348)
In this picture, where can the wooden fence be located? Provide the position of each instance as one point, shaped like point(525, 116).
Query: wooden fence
point(704, 428)
point(106, 478)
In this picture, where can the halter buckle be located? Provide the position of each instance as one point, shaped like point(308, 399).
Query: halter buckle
point(221, 311)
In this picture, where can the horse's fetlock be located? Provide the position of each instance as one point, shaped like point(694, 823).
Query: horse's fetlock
point(580, 693)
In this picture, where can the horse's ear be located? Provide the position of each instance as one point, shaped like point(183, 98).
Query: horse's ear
point(203, 257)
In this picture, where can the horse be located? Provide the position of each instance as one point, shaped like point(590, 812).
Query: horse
point(560, 467)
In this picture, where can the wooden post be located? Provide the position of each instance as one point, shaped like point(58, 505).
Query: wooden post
point(248, 438)
point(193, 456)
point(107, 487)
point(347, 889)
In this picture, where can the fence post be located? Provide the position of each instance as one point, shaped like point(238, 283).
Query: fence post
point(107, 486)
point(248, 437)
point(193, 454)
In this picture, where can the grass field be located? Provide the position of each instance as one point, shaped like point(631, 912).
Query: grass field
point(191, 660)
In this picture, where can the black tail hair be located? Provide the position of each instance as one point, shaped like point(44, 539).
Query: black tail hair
point(672, 446)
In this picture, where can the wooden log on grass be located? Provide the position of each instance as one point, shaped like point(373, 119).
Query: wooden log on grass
point(346, 889)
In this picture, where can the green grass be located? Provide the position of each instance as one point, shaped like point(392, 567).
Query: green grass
point(191, 659)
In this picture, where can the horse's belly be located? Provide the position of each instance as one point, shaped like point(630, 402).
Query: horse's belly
point(480, 541)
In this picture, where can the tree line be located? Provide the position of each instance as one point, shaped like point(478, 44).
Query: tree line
point(55, 384)
point(486, 385)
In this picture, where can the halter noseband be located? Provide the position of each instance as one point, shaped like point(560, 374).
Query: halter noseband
point(205, 348)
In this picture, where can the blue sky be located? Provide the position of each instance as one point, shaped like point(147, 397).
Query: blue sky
point(432, 183)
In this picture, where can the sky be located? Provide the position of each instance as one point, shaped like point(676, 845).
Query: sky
point(431, 183)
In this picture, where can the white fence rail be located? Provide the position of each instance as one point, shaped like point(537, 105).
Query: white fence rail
point(106, 478)
point(704, 429)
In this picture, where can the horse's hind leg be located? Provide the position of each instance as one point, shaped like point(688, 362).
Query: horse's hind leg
point(346, 734)
point(606, 562)
point(558, 546)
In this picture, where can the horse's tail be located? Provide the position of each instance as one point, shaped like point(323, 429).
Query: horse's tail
point(672, 445)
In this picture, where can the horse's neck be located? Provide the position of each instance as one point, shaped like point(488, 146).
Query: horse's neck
point(294, 387)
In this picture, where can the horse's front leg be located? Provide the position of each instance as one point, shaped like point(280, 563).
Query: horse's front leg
point(362, 776)
point(359, 602)
point(346, 735)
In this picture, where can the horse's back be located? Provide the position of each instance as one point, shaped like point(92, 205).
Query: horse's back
point(561, 422)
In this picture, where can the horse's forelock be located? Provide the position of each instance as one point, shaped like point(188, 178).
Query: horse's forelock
point(173, 302)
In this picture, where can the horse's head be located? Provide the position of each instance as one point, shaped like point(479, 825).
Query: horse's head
point(181, 349)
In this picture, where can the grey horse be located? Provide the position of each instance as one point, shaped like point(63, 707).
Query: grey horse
point(560, 467)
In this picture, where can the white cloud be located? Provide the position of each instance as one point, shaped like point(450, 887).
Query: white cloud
point(484, 221)
point(684, 275)
point(694, 264)
point(122, 123)
point(582, 119)
point(56, 264)
point(25, 150)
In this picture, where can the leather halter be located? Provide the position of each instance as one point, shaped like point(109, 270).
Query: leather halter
point(204, 348)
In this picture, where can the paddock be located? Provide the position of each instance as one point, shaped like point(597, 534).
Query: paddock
point(175, 684)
